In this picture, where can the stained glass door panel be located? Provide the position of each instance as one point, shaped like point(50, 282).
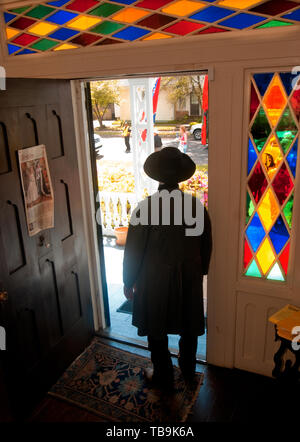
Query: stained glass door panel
point(271, 172)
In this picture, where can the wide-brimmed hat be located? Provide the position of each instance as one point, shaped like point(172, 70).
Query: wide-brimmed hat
point(169, 166)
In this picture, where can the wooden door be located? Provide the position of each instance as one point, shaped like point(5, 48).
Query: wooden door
point(48, 313)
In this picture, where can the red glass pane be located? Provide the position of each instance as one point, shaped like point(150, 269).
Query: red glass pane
point(22, 23)
point(25, 39)
point(295, 102)
point(284, 258)
point(184, 27)
point(247, 254)
point(108, 41)
point(257, 183)
point(153, 4)
point(85, 39)
point(155, 21)
point(254, 102)
point(283, 184)
point(212, 30)
point(81, 5)
point(274, 7)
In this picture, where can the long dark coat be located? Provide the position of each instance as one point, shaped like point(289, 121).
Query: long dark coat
point(167, 268)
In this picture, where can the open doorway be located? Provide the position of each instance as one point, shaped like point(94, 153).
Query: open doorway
point(122, 136)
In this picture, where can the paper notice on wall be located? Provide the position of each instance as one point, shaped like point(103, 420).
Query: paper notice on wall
point(37, 189)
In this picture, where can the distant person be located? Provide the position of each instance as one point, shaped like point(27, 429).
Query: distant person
point(183, 139)
point(157, 142)
point(126, 135)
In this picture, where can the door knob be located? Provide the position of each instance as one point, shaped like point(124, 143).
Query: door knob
point(3, 296)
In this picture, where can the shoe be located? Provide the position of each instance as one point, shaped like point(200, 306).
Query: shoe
point(166, 385)
point(127, 151)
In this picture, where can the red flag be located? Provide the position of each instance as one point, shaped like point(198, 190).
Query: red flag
point(204, 131)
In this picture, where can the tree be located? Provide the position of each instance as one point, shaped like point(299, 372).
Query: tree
point(104, 93)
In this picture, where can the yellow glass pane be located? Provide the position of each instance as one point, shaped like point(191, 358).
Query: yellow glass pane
point(82, 23)
point(268, 210)
point(65, 46)
point(275, 100)
point(272, 157)
point(42, 28)
point(239, 4)
point(265, 256)
point(10, 33)
point(183, 7)
point(157, 36)
point(130, 15)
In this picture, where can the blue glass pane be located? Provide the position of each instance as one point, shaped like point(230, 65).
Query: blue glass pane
point(58, 3)
point(279, 235)
point(212, 14)
point(262, 82)
point(295, 15)
point(131, 33)
point(255, 232)
point(26, 51)
point(292, 158)
point(8, 17)
point(287, 78)
point(63, 34)
point(253, 270)
point(125, 2)
point(252, 156)
point(242, 21)
point(12, 48)
point(61, 17)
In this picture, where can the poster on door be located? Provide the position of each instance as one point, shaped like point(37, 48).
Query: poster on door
point(37, 189)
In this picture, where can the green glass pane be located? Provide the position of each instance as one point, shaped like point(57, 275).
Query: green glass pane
point(260, 129)
point(253, 270)
point(20, 10)
point(249, 208)
point(105, 10)
point(286, 130)
point(276, 273)
point(107, 27)
point(44, 44)
point(40, 11)
point(273, 24)
point(288, 211)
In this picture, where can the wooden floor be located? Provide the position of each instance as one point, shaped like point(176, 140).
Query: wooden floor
point(225, 396)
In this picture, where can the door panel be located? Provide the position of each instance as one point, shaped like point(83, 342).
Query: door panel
point(48, 314)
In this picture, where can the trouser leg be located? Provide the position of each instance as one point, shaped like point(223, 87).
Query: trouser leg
point(127, 144)
point(161, 358)
point(187, 353)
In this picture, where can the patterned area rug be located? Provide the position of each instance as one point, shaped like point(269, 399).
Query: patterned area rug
point(110, 382)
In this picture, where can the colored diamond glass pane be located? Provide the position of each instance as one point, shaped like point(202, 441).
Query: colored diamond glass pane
point(254, 102)
point(213, 30)
point(284, 258)
point(153, 4)
point(242, 21)
point(274, 7)
point(253, 270)
point(157, 36)
point(286, 130)
point(262, 81)
point(82, 23)
point(252, 156)
point(287, 79)
point(247, 254)
point(265, 256)
point(10, 33)
point(274, 24)
point(295, 15)
point(275, 273)
point(212, 14)
point(61, 17)
point(42, 28)
point(44, 44)
point(283, 184)
point(107, 27)
point(129, 15)
point(8, 17)
point(274, 100)
point(22, 23)
point(260, 129)
point(58, 3)
point(295, 101)
point(25, 39)
point(156, 21)
point(288, 211)
point(292, 158)
point(255, 232)
point(272, 157)
point(26, 51)
point(249, 208)
point(183, 7)
point(65, 46)
point(257, 183)
point(12, 48)
point(268, 209)
point(40, 11)
point(126, 2)
point(85, 39)
point(108, 41)
point(20, 10)
point(131, 33)
point(183, 27)
point(279, 235)
point(105, 10)
point(63, 34)
point(81, 5)
point(238, 4)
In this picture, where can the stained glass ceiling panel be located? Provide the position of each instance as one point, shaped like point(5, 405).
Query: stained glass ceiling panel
point(43, 27)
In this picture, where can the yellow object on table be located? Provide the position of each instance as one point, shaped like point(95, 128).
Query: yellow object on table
point(285, 320)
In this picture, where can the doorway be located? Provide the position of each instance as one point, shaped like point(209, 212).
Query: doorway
point(121, 138)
